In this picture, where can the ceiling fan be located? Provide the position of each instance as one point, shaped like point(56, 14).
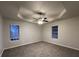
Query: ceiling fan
point(38, 16)
point(42, 16)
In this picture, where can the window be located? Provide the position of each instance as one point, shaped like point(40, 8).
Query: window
point(14, 32)
point(55, 32)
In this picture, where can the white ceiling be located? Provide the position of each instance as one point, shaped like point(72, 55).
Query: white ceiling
point(51, 9)
point(26, 10)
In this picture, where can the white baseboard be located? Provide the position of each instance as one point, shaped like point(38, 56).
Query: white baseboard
point(63, 45)
point(1, 52)
point(20, 45)
point(16, 46)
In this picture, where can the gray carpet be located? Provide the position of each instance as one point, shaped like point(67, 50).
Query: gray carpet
point(40, 49)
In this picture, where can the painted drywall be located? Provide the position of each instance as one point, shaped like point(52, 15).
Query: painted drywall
point(68, 33)
point(29, 33)
point(1, 38)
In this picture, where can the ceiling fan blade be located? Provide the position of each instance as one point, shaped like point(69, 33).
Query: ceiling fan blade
point(35, 18)
point(45, 20)
point(39, 12)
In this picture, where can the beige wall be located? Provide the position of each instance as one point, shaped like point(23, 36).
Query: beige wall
point(68, 34)
point(29, 33)
point(1, 38)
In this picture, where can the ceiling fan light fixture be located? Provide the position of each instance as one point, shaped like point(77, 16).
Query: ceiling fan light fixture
point(40, 22)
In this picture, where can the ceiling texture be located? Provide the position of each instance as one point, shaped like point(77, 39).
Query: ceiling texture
point(33, 11)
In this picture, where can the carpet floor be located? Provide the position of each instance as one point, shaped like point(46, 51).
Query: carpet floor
point(40, 49)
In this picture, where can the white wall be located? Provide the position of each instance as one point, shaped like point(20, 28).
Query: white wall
point(68, 33)
point(1, 38)
point(29, 33)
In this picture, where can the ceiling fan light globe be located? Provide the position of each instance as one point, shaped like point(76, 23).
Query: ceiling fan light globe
point(40, 22)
